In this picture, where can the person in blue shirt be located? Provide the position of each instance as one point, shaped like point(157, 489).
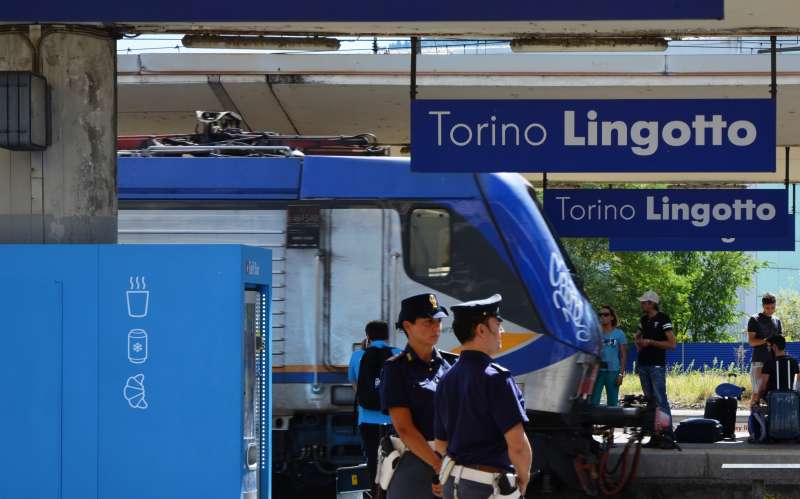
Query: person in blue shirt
point(613, 358)
point(480, 412)
point(368, 362)
point(407, 390)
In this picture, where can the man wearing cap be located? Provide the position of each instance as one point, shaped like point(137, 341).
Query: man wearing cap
point(407, 391)
point(653, 338)
point(480, 412)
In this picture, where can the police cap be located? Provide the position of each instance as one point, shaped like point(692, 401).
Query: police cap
point(424, 305)
point(477, 310)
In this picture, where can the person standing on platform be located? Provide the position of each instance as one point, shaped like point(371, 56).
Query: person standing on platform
point(613, 358)
point(407, 391)
point(760, 328)
point(653, 338)
point(480, 412)
point(364, 372)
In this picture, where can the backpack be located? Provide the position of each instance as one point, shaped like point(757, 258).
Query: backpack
point(369, 377)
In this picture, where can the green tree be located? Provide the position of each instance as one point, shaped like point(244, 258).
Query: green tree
point(713, 300)
point(697, 289)
point(788, 311)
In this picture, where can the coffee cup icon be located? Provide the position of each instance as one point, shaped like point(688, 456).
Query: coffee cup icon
point(138, 298)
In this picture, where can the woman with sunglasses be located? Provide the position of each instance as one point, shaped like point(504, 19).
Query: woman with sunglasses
point(612, 363)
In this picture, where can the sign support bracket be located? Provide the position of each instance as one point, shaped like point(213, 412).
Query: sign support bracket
point(773, 63)
point(786, 179)
point(773, 91)
point(414, 51)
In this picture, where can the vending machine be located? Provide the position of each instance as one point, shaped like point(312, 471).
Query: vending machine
point(135, 372)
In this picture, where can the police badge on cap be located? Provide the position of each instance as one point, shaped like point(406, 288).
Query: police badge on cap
point(424, 305)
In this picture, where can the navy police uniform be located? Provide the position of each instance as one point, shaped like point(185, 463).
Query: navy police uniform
point(477, 402)
point(411, 382)
point(408, 381)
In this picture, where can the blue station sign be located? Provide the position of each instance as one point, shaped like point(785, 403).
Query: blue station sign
point(254, 11)
point(668, 213)
point(639, 135)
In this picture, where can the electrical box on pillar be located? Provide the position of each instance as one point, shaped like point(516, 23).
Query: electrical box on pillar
point(24, 111)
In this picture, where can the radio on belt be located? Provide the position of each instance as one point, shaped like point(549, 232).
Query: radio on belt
point(135, 371)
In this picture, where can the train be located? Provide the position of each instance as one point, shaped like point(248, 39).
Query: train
point(351, 235)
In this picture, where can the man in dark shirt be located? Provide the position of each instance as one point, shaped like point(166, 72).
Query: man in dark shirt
point(780, 373)
point(760, 327)
point(653, 338)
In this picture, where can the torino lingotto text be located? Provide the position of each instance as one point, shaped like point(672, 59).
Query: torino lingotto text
point(699, 214)
point(643, 136)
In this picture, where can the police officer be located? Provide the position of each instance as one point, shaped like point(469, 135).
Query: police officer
point(407, 390)
point(480, 412)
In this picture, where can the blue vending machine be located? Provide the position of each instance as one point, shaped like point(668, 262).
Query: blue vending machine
point(135, 372)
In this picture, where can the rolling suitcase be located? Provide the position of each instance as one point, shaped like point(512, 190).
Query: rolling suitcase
point(698, 431)
point(783, 422)
point(723, 409)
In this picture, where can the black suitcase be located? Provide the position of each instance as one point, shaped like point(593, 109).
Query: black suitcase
point(698, 431)
point(723, 409)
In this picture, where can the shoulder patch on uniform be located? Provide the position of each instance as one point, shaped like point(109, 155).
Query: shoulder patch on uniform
point(448, 356)
point(497, 372)
point(500, 368)
point(394, 357)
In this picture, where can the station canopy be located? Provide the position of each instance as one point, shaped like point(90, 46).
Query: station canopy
point(501, 19)
point(315, 94)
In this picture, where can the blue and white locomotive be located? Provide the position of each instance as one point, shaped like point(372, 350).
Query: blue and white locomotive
point(350, 237)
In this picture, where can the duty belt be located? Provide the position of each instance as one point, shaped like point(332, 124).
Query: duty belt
point(504, 485)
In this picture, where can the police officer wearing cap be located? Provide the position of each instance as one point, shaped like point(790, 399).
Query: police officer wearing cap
point(480, 412)
point(408, 387)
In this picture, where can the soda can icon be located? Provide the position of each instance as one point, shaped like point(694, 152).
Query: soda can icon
point(137, 346)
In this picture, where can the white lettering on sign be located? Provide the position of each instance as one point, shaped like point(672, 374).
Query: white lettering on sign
point(596, 211)
point(489, 132)
point(647, 135)
point(643, 137)
point(698, 214)
point(701, 214)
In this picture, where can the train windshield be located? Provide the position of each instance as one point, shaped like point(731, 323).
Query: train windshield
point(540, 262)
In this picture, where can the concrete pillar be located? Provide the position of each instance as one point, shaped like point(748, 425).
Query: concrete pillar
point(67, 193)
